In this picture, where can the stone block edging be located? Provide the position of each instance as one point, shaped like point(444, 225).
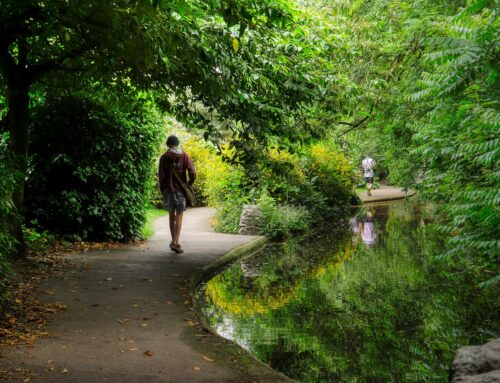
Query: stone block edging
point(231, 256)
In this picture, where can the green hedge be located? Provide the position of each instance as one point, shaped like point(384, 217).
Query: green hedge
point(7, 242)
point(91, 169)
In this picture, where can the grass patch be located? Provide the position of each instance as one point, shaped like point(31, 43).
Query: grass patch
point(151, 214)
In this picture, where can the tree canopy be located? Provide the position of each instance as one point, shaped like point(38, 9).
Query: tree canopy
point(414, 83)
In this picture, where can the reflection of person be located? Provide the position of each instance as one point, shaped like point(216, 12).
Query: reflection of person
point(363, 226)
point(174, 199)
point(368, 165)
point(367, 229)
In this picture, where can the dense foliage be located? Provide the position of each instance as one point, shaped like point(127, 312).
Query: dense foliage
point(284, 91)
point(417, 87)
point(292, 190)
point(458, 141)
point(209, 62)
point(7, 212)
point(90, 169)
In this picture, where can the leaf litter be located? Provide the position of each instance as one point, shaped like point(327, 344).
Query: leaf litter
point(23, 311)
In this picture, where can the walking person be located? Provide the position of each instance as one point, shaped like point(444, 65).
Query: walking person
point(368, 165)
point(174, 199)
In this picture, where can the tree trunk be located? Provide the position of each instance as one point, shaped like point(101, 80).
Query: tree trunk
point(18, 102)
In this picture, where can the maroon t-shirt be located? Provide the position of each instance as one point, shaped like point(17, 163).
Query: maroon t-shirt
point(182, 163)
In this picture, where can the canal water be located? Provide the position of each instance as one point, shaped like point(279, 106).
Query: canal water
point(362, 301)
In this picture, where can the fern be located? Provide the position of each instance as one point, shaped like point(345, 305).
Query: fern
point(459, 138)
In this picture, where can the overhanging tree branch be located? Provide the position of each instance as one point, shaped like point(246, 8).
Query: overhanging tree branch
point(14, 26)
point(353, 125)
point(43, 67)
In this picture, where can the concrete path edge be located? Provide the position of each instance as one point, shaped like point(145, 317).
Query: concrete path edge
point(231, 256)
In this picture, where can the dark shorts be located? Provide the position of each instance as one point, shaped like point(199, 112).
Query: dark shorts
point(369, 180)
point(175, 201)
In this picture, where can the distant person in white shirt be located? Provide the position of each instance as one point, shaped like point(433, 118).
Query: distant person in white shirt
point(368, 165)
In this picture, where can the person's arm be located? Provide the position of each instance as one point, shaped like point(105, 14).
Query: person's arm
point(161, 175)
point(191, 170)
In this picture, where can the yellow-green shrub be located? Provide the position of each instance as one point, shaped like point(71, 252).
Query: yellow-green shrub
point(284, 177)
point(333, 174)
point(219, 184)
point(211, 171)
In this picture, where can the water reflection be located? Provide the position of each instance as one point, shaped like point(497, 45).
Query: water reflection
point(363, 226)
point(365, 307)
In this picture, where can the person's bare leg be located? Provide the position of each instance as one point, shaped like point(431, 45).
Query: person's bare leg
point(369, 188)
point(178, 227)
point(171, 220)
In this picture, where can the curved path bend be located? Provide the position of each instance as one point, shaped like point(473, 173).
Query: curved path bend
point(129, 317)
point(385, 193)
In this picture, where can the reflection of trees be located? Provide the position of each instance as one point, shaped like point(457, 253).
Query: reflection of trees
point(281, 270)
point(380, 314)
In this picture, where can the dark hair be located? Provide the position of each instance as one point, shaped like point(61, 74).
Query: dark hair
point(172, 141)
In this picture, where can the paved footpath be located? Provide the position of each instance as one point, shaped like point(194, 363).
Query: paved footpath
point(129, 319)
point(385, 193)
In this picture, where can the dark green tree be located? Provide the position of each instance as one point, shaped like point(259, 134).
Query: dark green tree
point(39, 40)
point(194, 50)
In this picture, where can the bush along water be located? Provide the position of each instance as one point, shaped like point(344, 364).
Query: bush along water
point(91, 172)
point(293, 190)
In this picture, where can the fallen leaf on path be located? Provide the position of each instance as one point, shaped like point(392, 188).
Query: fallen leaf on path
point(123, 321)
point(108, 279)
point(148, 353)
point(133, 349)
point(65, 371)
point(144, 325)
point(196, 368)
point(190, 323)
point(208, 359)
point(169, 303)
